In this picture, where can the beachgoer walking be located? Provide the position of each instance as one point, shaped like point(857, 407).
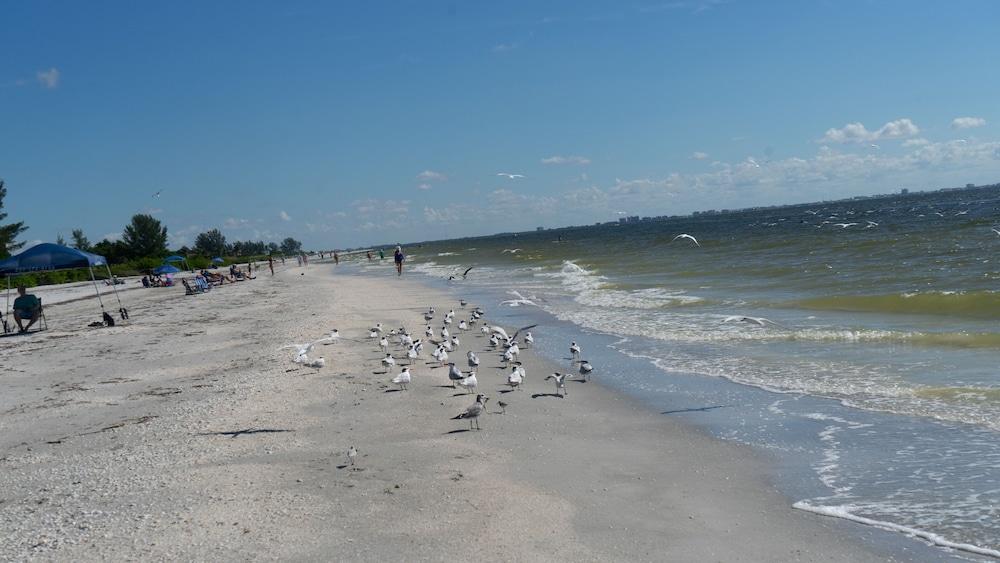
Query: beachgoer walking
point(336, 258)
point(398, 257)
point(270, 264)
point(381, 254)
point(369, 255)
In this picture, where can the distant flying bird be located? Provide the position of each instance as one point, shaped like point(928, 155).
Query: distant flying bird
point(995, 231)
point(510, 176)
point(759, 321)
point(510, 250)
point(752, 162)
point(157, 194)
point(876, 147)
point(844, 225)
point(687, 237)
point(465, 273)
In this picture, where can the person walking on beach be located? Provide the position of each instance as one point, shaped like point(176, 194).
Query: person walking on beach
point(369, 255)
point(336, 258)
point(398, 257)
point(270, 264)
point(381, 254)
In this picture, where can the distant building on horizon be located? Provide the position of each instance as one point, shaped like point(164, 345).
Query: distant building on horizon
point(904, 191)
point(969, 186)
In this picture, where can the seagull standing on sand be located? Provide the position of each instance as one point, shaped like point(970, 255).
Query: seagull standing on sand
point(444, 332)
point(388, 362)
point(574, 350)
point(514, 378)
point(429, 332)
point(411, 354)
point(403, 379)
point(455, 341)
point(454, 374)
point(687, 236)
point(469, 383)
point(585, 369)
point(473, 360)
point(528, 340)
point(472, 413)
point(560, 379)
point(462, 325)
point(485, 329)
point(383, 344)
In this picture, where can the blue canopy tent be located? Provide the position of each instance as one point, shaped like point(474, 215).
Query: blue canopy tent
point(176, 258)
point(48, 257)
point(218, 260)
point(165, 269)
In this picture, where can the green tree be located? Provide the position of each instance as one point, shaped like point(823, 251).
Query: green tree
point(9, 232)
point(60, 240)
point(145, 237)
point(211, 243)
point(80, 241)
point(116, 252)
point(290, 246)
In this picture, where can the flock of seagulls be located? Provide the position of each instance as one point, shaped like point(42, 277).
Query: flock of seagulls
point(399, 345)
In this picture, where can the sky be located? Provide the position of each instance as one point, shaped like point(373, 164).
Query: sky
point(352, 123)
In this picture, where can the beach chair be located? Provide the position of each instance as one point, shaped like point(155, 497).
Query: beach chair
point(188, 290)
point(10, 327)
point(202, 284)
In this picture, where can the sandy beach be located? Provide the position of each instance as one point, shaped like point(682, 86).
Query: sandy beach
point(187, 434)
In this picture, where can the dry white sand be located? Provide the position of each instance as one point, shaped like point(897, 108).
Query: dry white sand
point(126, 443)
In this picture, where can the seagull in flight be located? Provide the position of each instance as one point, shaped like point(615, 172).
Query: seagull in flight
point(759, 321)
point(510, 176)
point(994, 229)
point(157, 194)
point(844, 225)
point(465, 273)
point(687, 237)
point(560, 379)
point(510, 250)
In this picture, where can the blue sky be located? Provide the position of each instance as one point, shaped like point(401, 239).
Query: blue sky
point(348, 123)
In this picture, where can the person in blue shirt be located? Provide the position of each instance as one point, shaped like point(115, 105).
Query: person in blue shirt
point(27, 307)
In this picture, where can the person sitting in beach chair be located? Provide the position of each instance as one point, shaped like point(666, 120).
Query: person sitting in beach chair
point(145, 281)
point(27, 307)
point(202, 284)
point(189, 289)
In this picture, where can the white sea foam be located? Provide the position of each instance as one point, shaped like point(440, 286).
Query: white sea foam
point(844, 511)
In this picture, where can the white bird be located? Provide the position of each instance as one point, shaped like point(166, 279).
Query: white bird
point(752, 162)
point(463, 302)
point(450, 314)
point(510, 250)
point(528, 340)
point(384, 344)
point(574, 350)
point(388, 362)
point(844, 225)
point(429, 332)
point(472, 413)
point(301, 351)
point(378, 328)
point(373, 334)
point(462, 325)
point(469, 383)
point(485, 329)
point(514, 350)
point(403, 379)
point(443, 356)
point(494, 342)
point(514, 378)
point(560, 379)
point(317, 363)
point(876, 147)
point(759, 321)
point(871, 224)
point(455, 342)
point(447, 320)
point(995, 231)
point(510, 176)
point(500, 331)
point(412, 354)
point(687, 236)
point(157, 194)
point(406, 340)
point(444, 332)
point(506, 357)
point(352, 454)
point(473, 359)
point(585, 369)
point(446, 344)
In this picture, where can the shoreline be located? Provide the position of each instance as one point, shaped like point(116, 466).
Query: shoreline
point(120, 459)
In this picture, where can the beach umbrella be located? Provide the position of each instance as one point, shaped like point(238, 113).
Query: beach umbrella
point(174, 258)
point(165, 269)
point(217, 260)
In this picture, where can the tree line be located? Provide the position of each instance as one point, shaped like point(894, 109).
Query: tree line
point(144, 239)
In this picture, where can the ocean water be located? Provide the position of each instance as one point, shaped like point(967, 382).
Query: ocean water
point(875, 367)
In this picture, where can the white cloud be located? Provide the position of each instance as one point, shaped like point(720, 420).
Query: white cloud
point(698, 155)
point(424, 187)
point(857, 133)
point(112, 237)
point(918, 142)
point(234, 223)
point(284, 216)
point(967, 122)
point(48, 78)
point(581, 160)
point(430, 175)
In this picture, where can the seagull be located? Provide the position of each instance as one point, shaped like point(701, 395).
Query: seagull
point(500, 331)
point(871, 224)
point(510, 250)
point(514, 350)
point(759, 321)
point(455, 342)
point(585, 369)
point(301, 351)
point(384, 344)
point(574, 349)
point(518, 331)
point(493, 341)
point(844, 225)
point(454, 374)
point(403, 379)
point(515, 378)
point(994, 229)
point(462, 325)
point(378, 328)
point(687, 236)
point(469, 383)
point(528, 340)
point(473, 360)
point(444, 332)
point(485, 329)
point(352, 453)
point(429, 332)
point(510, 176)
point(465, 273)
point(463, 302)
point(472, 413)
point(876, 147)
point(560, 379)
point(157, 194)
point(752, 162)
point(412, 354)
point(506, 357)
point(388, 362)
point(503, 406)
